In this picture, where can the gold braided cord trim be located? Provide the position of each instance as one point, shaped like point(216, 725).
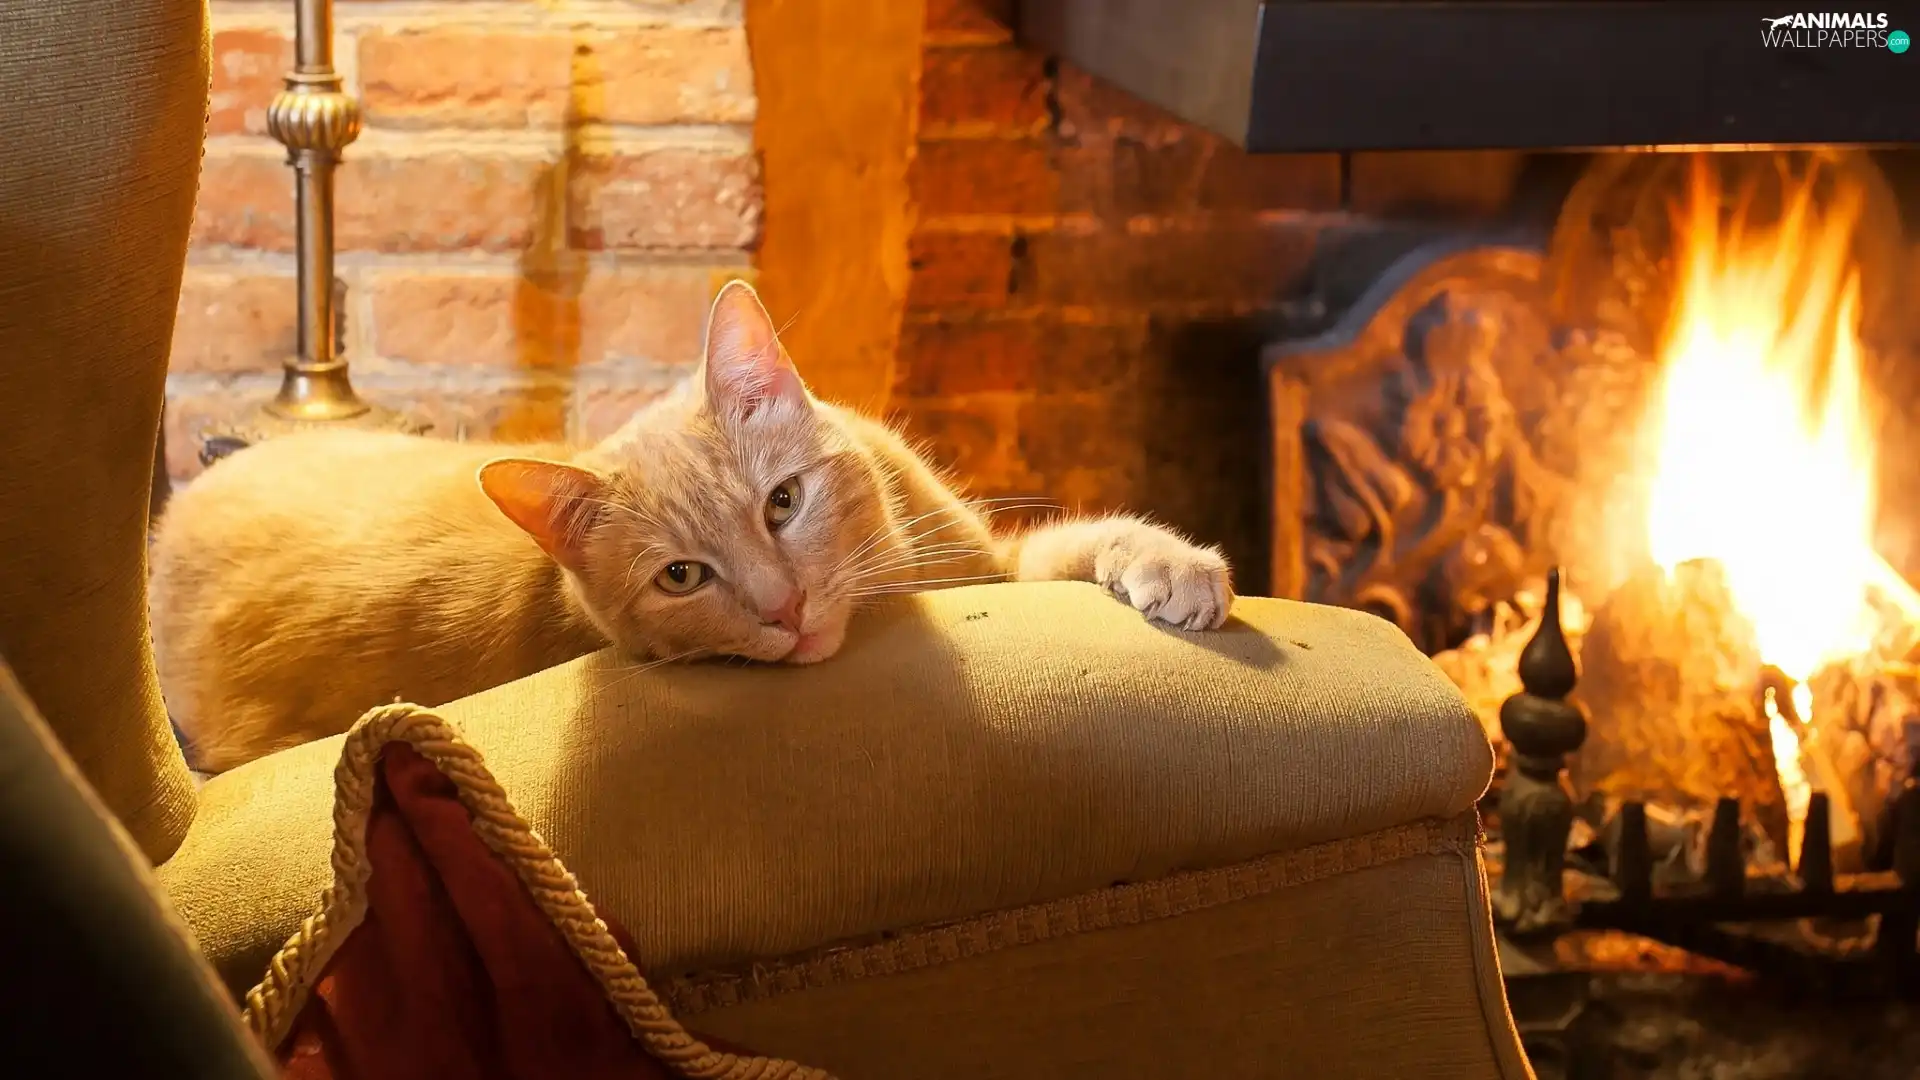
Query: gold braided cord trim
point(277, 1000)
point(1117, 906)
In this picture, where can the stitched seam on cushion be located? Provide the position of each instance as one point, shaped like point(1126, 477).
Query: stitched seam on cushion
point(1503, 1039)
point(1102, 909)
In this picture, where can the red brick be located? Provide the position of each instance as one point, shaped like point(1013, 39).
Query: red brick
point(1091, 108)
point(997, 89)
point(984, 176)
point(600, 410)
point(248, 69)
point(231, 321)
point(665, 75)
point(1237, 180)
point(504, 320)
point(1090, 489)
point(466, 320)
point(191, 412)
point(967, 438)
point(1123, 177)
point(1236, 265)
point(530, 413)
point(969, 20)
point(245, 200)
point(672, 198)
point(439, 202)
point(959, 270)
point(1061, 433)
point(513, 414)
point(656, 313)
point(939, 358)
point(1191, 170)
point(1448, 183)
point(478, 78)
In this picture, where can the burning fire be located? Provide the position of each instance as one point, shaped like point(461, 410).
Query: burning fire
point(1765, 457)
point(1786, 762)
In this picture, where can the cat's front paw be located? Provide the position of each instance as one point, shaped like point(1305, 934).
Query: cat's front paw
point(1166, 578)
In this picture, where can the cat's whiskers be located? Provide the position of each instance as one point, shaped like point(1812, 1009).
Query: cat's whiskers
point(908, 554)
point(632, 670)
point(962, 514)
point(883, 531)
point(915, 560)
point(917, 553)
point(911, 553)
point(970, 514)
point(921, 586)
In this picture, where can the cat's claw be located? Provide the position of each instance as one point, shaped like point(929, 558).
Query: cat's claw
point(1169, 580)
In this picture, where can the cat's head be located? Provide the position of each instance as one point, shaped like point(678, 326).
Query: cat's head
point(735, 517)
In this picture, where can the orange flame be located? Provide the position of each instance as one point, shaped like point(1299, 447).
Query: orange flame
point(1794, 784)
point(1765, 455)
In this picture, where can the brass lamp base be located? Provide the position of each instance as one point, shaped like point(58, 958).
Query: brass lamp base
point(315, 119)
point(308, 401)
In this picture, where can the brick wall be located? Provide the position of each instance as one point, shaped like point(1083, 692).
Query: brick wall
point(1092, 280)
point(1085, 270)
point(543, 199)
point(547, 192)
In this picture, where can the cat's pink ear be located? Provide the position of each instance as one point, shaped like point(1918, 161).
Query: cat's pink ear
point(747, 369)
point(554, 503)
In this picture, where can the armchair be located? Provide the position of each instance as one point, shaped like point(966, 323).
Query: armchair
point(1011, 831)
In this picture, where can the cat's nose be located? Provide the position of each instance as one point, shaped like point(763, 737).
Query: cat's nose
point(789, 613)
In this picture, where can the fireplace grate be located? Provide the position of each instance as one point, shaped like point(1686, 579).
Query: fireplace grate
point(1838, 934)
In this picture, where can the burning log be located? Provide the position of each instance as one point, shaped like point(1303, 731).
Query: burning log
point(1866, 724)
point(1670, 675)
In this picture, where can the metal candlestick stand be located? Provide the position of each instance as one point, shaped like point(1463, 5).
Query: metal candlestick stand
point(315, 120)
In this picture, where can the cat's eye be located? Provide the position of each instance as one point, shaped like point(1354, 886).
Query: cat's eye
point(783, 502)
point(680, 578)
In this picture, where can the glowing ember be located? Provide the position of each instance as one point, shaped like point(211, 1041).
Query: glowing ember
point(1765, 458)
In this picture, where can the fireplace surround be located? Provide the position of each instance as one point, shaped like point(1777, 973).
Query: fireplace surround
point(1461, 414)
point(1474, 422)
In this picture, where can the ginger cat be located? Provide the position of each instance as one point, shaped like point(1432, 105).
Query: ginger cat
point(309, 578)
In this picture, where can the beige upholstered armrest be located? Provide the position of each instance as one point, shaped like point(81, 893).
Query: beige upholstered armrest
point(969, 751)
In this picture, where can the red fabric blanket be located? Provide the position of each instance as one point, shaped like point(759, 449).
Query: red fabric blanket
point(454, 971)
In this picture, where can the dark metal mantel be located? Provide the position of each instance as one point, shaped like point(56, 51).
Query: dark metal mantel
point(1333, 75)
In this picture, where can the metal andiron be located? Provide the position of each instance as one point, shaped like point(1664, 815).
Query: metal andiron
point(315, 119)
point(1536, 810)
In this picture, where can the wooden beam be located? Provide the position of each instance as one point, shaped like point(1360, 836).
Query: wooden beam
point(838, 83)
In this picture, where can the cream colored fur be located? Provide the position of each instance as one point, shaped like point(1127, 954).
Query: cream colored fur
point(307, 579)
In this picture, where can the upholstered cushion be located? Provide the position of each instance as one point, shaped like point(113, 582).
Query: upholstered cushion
point(969, 751)
point(1369, 958)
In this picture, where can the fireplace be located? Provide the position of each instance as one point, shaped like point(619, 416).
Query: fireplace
point(1661, 417)
point(1692, 397)
point(1636, 391)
